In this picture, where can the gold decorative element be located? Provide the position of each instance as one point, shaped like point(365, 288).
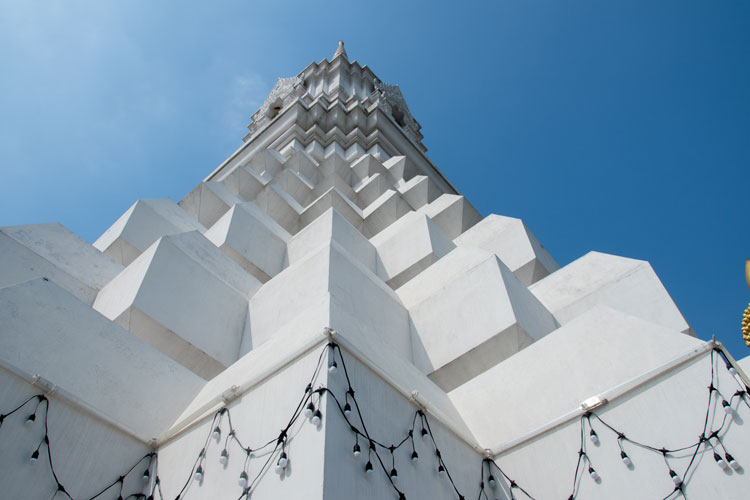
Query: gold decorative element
point(746, 326)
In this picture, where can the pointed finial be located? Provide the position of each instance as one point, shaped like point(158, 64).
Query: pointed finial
point(340, 51)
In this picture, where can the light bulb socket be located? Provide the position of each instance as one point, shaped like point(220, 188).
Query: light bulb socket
point(217, 433)
point(441, 469)
point(347, 408)
point(368, 466)
point(317, 417)
point(424, 432)
point(146, 475)
point(243, 479)
point(224, 457)
point(34, 456)
point(30, 419)
point(309, 410)
point(677, 480)
point(394, 473)
point(414, 456)
point(594, 437)
point(491, 481)
point(332, 368)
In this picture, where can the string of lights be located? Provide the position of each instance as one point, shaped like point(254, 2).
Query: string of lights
point(275, 452)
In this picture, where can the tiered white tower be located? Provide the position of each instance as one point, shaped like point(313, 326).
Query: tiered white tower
point(331, 225)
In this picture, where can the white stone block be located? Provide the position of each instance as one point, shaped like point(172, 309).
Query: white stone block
point(50, 250)
point(471, 320)
point(517, 247)
point(143, 223)
point(184, 297)
point(409, 246)
point(624, 284)
point(328, 275)
point(554, 375)
point(329, 227)
point(209, 201)
point(245, 183)
point(333, 198)
point(252, 239)
point(383, 212)
point(49, 332)
point(419, 191)
point(453, 213)
point(280, 206)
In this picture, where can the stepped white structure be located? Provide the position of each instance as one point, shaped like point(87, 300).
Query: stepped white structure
point(330, 235)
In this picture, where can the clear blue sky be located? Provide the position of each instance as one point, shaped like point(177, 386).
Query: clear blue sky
point(618, 126)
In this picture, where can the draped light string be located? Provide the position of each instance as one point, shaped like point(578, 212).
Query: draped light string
point(493, 480)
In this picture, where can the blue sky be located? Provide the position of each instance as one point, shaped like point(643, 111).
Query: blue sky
point(621, 127)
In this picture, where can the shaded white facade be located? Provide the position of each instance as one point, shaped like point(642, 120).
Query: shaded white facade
point(330, 224)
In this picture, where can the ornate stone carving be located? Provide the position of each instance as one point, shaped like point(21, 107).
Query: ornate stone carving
point(285, 90)
point(394, 103)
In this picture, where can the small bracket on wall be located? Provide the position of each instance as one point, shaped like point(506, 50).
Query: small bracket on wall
point(230, 394)
point(593, 402)
point(47, 386)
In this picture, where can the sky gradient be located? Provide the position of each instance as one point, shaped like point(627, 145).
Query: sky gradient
point(621, 127)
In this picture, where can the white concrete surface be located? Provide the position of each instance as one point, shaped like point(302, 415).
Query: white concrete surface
point(142, 224)
point(51, 251)
point(514, 244)
point(184, 297)
point(628, 285)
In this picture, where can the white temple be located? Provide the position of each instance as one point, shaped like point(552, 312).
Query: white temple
point(330, 240)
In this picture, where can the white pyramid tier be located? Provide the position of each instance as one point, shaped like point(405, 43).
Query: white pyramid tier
point(470, 312)
point(624, 284)
point(142, 224)
point(62, 339)
point(176, 292)
point(328, 227)
point(252, 239)
point(564, 368)
point(50, 250)
point(208, 201)
point(419, 191)
point(517, 247)
point(452, 213)
point(408, 246)
point(326, 274)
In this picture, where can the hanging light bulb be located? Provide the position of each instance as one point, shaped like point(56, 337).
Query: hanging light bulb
point(625, 458)
point(347, 409)
point(720, 461)
point(594, 475)
point(677, 480)
point(491, 481)
point(356, 450)
point(283, 460)
point(732, 369)
point(734, 464)
point(424, 432)
point(30, 419)
point(243, 480)
point(368, 467)
point(441, 469)
point(394, 473)
point(414, 456)
point(309, 410)
point(317, 417)
point(216, 434)
point(727, 407)
point(34, 456)
point(224, 457)
point(594, 438)
point(199, 473)
point(146, 475)
point(333, 368)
